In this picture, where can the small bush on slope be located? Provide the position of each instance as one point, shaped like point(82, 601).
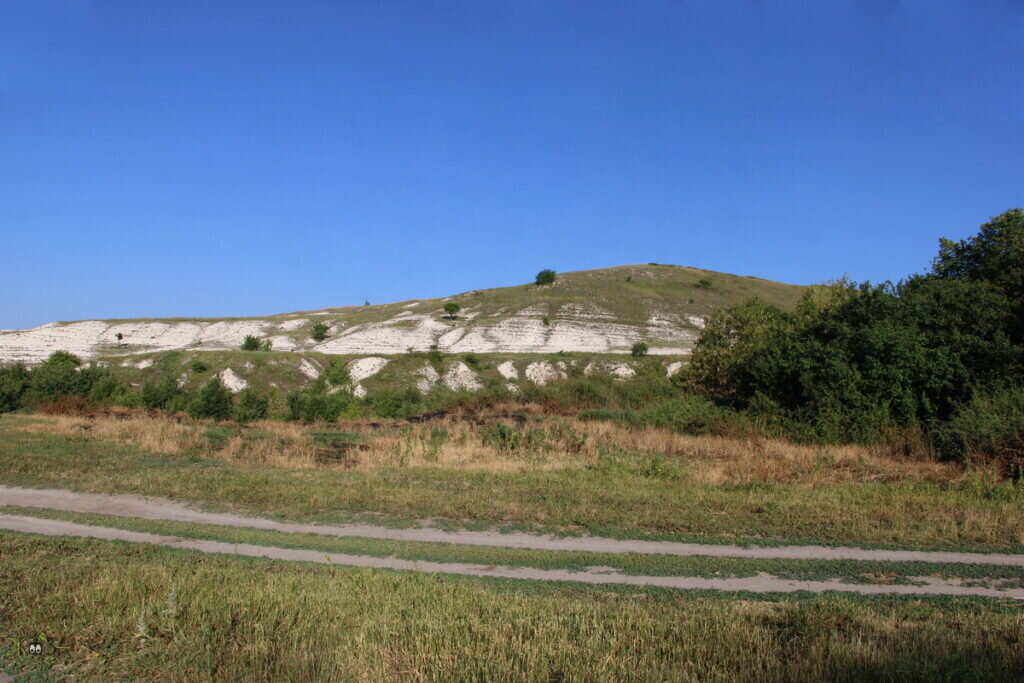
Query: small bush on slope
point(250, 406)
point(212, 401)
point(319, 331)
point(545, 277)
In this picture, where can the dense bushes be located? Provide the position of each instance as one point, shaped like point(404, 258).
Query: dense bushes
point(13, 384)
point(991, 426)
point(316, 404)
point(854, 362)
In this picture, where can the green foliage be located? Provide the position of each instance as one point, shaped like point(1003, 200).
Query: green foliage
point(689, 414)
point(336, 373)
point(251, 405)
point(451, 309)
point(996, 256)
point(314, 406)
point(395, 403)
point(856, 361)
point(639, 350)
point(319, 331)
point(251, 343)
point(212, 401)
point(160, 393)
point(546, 320)
point(58, 377)
point(990, 426)
point(14, 381)
point(545, 277)
point(627, 417)
point(704, 284)
point(198, 366)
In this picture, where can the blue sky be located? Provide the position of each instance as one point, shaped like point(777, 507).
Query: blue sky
point(244, 158)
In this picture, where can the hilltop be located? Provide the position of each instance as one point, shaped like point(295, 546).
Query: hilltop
point(596, 311)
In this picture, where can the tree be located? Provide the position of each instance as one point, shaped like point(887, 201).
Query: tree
point(119, 337)
point(251, 343)
point(251, 405)
point(450, 309)
point(639, 350)
point(545, 277)
point(995, 255)
point(212, 401)
point(319, 331)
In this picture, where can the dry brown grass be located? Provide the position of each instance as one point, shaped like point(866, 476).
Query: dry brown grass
point(454, 443)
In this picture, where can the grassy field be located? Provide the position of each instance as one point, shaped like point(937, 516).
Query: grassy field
point(110, 611)
point(573, 477)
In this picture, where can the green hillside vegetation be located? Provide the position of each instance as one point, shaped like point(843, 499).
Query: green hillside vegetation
point(629, 293)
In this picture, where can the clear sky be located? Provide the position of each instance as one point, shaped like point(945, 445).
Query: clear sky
point(242, 158)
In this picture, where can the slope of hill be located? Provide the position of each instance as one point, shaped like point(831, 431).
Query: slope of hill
point(597, 311)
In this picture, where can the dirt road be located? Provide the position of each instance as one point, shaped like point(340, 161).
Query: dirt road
point(762, 583)
point(162, 509)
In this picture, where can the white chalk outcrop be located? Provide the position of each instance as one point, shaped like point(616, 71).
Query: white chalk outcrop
point(459, 377)
point(232, 381)
point(542, 372)
point(533, 329)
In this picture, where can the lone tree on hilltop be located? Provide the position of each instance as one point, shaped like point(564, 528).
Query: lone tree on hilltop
point(319, 331)
point(639, 350)
point(545, 277)
point(450, 309)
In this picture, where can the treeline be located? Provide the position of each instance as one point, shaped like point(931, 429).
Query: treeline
point(939, 355)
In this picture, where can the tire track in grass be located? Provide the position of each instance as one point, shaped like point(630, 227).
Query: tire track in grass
point(762, 583)
point(152, 508)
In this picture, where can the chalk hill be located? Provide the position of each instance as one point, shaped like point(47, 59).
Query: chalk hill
point(596, 311)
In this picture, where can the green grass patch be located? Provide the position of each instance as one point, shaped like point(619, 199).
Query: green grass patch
point(126, 611)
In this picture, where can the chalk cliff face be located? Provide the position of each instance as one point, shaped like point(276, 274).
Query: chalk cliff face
point(600, 311)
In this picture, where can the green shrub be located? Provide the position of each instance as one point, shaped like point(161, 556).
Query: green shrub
point(639, 350)
point(319, 331)
point(58, 377)
point(704, 284)
point(317, 405)
point(251, 405)
point(14, 381)
point(251, 343)
point(990, 426)
point(545, 277)
point(212, 401)
point(451, 309)
point(689, 414)
point(336, 373)
point(160, 393)
point(395, 403)
point(510, 439)
point(627, 417)
point(198, 366)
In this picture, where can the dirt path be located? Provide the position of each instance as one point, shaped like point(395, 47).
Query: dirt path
point(762, 583)
point(163, 509)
